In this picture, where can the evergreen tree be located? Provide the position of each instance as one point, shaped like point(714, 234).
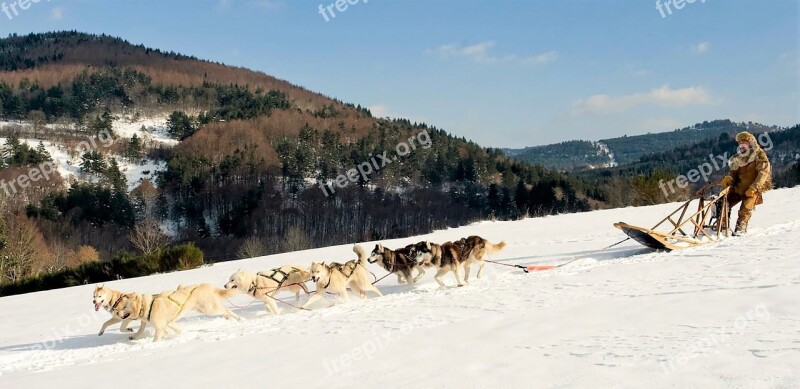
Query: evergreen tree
point(102, 125)
point(180, 125)
point(493, 200)
point(134, 149)
point(41, 154)
point(93, 162)
point(115, 177)
point(521, 196)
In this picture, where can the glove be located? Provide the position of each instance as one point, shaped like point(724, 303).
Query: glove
point(726, 181)
point(750, 192)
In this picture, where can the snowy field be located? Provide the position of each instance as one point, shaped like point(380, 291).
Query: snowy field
point(720, 316)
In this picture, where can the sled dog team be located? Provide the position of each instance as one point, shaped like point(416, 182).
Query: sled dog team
point(164, 309)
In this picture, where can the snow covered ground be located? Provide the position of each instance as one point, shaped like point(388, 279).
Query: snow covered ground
point(151, 128)
point(720, 316)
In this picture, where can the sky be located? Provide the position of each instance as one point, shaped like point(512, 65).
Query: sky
point(502, 73)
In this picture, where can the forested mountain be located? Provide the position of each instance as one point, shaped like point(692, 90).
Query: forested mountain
point(580, 155)
point(566, 156)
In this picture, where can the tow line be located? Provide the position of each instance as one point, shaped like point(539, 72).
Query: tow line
point(535, 268)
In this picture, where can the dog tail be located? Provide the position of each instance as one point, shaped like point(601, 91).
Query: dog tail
point(495, 247)
point(225, 293)
point(362, 256)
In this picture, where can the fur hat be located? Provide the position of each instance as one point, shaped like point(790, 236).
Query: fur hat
point(746, 137)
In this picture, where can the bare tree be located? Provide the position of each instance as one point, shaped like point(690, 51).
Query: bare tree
point(147, 236)
point(25, 252)
point(85, 254)
point(295, 240)
point(62, 256)
point(144, 198)
point(252, 247)
point(38, 119)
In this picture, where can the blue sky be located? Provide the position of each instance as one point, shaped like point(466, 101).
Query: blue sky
point(502, 73)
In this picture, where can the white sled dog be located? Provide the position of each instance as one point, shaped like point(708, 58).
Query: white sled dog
point(265, 285)
point(110, 300)
point(162, 310)
point(336, 277)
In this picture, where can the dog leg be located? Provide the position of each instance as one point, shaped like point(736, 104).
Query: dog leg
point(400, 279)
point(139, 334)
point(230, 315)
point(421, 273)
point(480, 269)
point(357, 289)
point(344, 295)
point(371, 288)
point(124, 326)
point(159, 332)
point(409, 276)
point(458, 279)
point(112, 321)
point(466, 273)
point(272, 306)
point(174, 327)
point(438, 277)
point(314, 297)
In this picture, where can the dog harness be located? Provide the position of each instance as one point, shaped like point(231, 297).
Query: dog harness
point(272, 276)
point(395, 265)
point(113, 307)
point(349, 266)
point(169, 297)
point(347, 269)
point(149, 312)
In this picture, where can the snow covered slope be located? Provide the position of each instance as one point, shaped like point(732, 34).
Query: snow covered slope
point(720, 316)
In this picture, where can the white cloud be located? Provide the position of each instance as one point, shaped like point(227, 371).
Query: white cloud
point(57, 13)
point(480, 52)
point(663, 97)
point(383, 111)
point(379, 110)
point(701, 48)
point(549, 56)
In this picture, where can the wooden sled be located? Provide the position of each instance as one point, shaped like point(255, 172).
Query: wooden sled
point(710, 223)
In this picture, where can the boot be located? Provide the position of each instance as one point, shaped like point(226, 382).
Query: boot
point(741, 222)
point(741, 229)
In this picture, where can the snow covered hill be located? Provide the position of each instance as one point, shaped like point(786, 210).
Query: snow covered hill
point(720, 316)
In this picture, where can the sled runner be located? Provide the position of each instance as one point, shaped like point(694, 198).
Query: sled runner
point(709, 223)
